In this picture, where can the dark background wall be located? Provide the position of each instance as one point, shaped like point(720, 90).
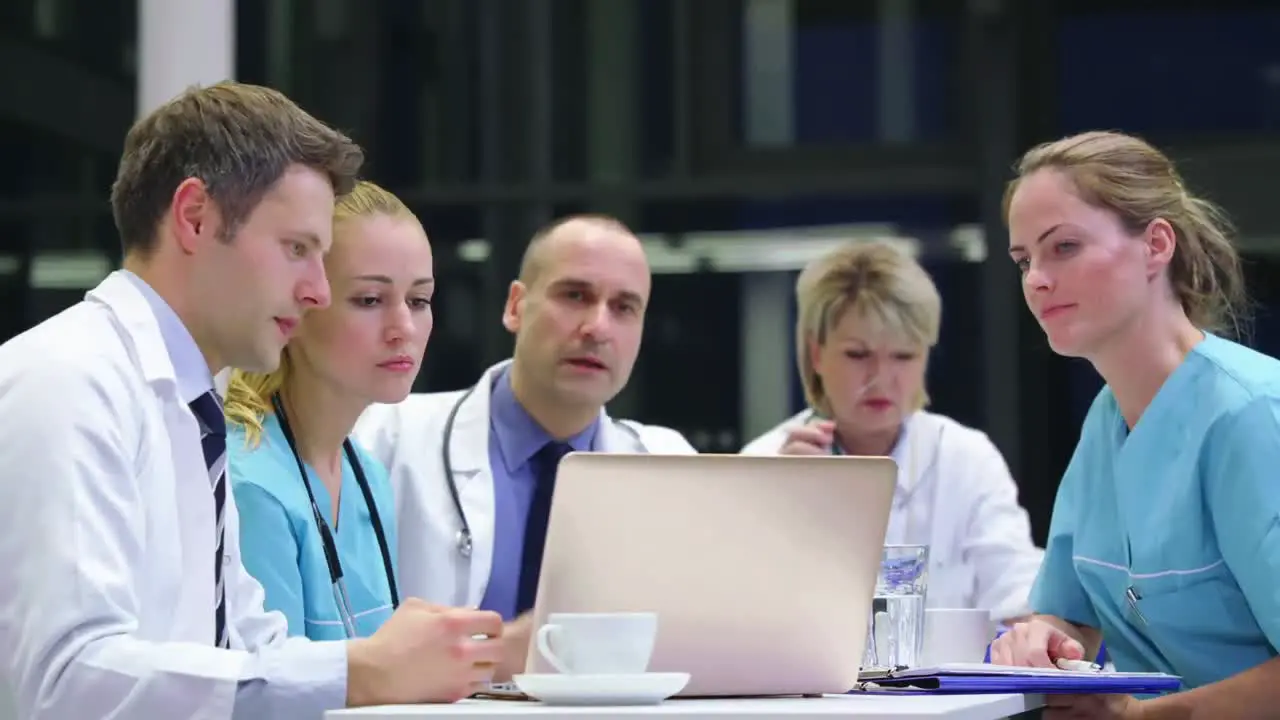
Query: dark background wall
point(491, 116)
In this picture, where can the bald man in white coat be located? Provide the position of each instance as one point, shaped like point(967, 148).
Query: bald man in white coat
point(472, 469)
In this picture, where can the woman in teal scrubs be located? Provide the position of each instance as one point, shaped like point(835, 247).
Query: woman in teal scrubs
point(317, 516)
point(1165, 538)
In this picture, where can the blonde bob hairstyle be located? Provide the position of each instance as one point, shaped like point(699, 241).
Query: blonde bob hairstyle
point(249, 395)
point(882, 285)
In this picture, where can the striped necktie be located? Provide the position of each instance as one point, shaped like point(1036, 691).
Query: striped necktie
point(213, 440)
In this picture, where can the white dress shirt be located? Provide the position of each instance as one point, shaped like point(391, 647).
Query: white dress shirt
point(106, 562)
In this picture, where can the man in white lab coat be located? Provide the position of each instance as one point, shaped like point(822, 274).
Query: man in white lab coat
point(121, 588)
point(473, 518)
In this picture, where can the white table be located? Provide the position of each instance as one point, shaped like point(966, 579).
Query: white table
point(868, 707)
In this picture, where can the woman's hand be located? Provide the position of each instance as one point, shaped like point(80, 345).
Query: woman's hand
point(814, 438)
point(1036, 643)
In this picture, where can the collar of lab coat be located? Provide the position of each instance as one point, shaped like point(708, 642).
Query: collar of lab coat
point(472, 422)
point(138, 326)
point(915, 450)
point(907, 452)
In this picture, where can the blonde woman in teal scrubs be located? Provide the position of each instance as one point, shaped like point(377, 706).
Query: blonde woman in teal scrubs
point(317, 516)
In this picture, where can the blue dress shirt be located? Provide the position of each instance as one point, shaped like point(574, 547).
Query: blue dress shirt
point(514, 438)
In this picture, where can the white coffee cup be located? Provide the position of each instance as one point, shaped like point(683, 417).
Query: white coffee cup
point(956, 635)
point(598, 643)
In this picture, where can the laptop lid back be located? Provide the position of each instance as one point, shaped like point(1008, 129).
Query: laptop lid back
point(761, 569)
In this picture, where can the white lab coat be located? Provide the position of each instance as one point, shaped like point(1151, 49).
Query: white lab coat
point(106, 557)
point(955, 493)
point(407, 438)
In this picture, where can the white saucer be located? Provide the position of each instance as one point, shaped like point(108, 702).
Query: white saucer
point(630, 689)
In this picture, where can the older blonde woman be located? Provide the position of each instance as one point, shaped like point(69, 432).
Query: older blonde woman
point(868, 317)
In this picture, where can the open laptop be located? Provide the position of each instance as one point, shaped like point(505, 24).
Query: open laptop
point(761, 569)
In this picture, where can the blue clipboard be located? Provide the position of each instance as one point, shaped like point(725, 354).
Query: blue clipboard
point(982, 678)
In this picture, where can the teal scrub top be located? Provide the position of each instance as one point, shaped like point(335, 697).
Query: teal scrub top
point(1167, 538)
point(280, 544)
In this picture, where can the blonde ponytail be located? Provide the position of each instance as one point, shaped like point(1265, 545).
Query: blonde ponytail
point(249, 395)
point(1207, 275)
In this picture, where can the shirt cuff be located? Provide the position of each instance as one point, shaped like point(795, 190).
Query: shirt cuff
point(301, 679)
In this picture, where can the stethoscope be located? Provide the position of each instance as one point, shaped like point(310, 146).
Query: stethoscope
point(463, 539)
point(340, 596)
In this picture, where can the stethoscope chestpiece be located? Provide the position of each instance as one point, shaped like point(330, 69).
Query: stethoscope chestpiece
point(463, 539)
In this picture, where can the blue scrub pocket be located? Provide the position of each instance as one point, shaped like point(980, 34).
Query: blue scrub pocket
point(1199, 620)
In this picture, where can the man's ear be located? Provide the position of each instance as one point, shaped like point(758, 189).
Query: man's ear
point(513, 311)
point(195, 217)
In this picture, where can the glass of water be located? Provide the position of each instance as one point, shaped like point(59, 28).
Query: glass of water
point(895, 630)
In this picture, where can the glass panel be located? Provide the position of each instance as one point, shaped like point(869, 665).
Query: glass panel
point(371, 69)
point(95, 34)
point(909, 211)
point(846, 52)
point(17, 19)
point(691, 349)
point(40, 275)
point(60, 199)
point(658, 86)
point(91, 38)
point(1187, 69)
point(1263, 278)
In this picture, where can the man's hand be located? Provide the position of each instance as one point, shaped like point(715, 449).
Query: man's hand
point(1102, 707)
point(424, 654)
point(515, 647)
point(814, 438)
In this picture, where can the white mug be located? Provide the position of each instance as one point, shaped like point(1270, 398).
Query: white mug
point(956, 635)
point(598, 643)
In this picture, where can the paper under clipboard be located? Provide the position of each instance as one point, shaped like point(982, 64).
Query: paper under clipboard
point(979, 678)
